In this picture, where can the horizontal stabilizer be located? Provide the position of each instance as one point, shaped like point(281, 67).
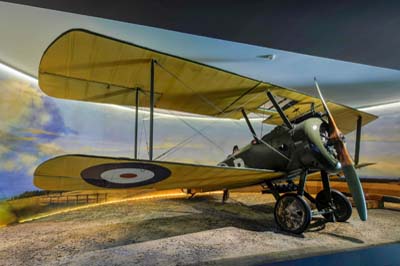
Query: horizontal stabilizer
point(362, 165)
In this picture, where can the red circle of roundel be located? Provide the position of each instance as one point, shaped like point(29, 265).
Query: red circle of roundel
point(128, 175)
point(94, 175)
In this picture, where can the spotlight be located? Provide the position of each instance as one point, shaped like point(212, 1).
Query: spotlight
point(269, 57)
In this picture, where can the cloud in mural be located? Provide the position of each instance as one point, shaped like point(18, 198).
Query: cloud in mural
point(34, 127)
point(30, 122)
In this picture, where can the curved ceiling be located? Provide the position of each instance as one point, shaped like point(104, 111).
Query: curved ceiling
point(357, 31)
point(27, 31)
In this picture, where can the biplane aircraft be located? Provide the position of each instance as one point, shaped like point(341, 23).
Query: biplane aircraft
point(308, 137)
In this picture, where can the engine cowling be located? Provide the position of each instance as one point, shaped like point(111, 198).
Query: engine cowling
point(283, 149)
point(312, 146)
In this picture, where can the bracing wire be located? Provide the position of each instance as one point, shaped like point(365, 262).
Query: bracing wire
point(202, 97)
point(262, 122)
point(179, 145)
point(145, 137)
point(187, 140)
point(174, 148)
point(140, 138)
point(203, 135)
point(198, 132)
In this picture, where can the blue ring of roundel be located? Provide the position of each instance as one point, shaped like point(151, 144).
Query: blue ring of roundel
point(92, 175)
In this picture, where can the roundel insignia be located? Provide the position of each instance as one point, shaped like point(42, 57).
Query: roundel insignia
point(124, 175)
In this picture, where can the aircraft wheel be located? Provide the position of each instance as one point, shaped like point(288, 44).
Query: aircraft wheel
point(342, 205)
point(292, 213)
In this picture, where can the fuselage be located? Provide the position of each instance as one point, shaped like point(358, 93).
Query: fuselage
point(306, 146)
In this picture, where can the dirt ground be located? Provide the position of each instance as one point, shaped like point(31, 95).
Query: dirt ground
point(178, 231)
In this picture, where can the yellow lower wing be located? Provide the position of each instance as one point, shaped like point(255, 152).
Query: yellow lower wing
point(83, 172)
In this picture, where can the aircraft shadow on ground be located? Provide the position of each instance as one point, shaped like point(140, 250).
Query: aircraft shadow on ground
point(209, 214)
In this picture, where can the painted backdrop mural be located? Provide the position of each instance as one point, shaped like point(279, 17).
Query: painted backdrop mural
point(35, 127)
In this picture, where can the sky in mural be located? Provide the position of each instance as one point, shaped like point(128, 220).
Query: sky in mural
point(35, 127)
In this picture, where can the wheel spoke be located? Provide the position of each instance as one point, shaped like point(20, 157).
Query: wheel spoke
point(292, 213)
point(341, 205)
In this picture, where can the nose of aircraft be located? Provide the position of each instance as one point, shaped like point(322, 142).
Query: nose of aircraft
point(353, 181)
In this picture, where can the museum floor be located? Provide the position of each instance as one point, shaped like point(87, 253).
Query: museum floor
point(178, 231)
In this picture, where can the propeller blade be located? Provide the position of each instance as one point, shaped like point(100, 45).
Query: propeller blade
point(322, 99)
point(353, 181)
point(354, 184)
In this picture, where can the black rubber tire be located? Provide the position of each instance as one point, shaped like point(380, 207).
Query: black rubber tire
point(292, 220)
point(343, 208)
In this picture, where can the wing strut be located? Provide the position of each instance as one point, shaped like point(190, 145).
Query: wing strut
point(279, 110)
point(258, 140)
point(249, 125)
point(152, 62)
point(358, 141)
point(136, 121)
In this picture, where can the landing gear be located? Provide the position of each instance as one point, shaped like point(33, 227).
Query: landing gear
point(189, 192)
point(337, 202)
point(225, 195)
point(292, 213)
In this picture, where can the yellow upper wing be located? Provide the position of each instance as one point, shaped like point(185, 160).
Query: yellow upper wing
point(83, 172)
point(87, 66)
